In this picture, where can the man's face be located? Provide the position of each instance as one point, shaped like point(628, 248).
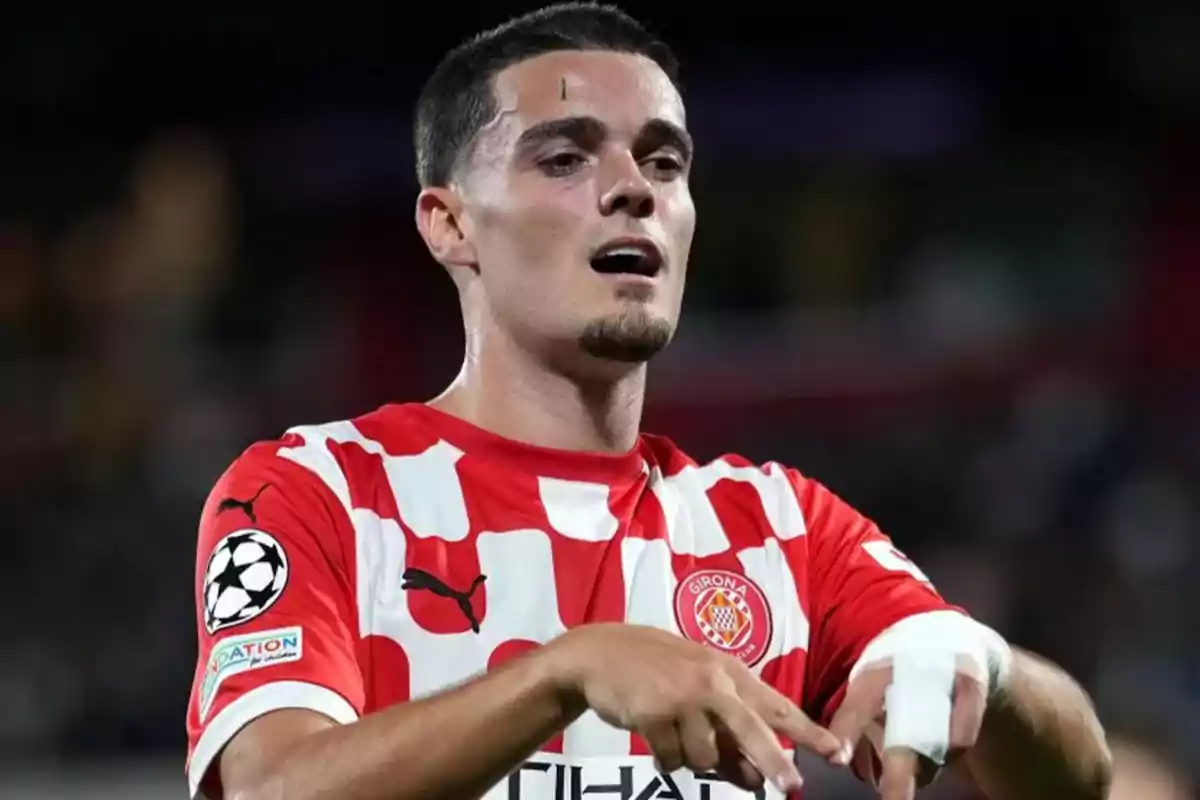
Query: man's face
point(587, 153)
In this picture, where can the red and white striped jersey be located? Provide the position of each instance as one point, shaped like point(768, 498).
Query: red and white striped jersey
point(354, 565)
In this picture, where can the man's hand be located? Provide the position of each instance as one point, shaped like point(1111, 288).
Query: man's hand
point(863, 720)
point(695, 707)
point(1032, 736)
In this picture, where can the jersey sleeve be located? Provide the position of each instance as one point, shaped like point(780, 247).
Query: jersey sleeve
point(859, 585)
point(275, 610)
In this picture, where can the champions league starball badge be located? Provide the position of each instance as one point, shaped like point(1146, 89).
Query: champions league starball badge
point(725, 611)
point(246, 574)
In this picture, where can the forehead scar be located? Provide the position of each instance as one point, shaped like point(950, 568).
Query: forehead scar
point(483, 146)
point(563, 95)
point(502, 113)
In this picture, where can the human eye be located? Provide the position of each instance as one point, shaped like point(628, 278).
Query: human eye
point(561, 164)
point(665, 165)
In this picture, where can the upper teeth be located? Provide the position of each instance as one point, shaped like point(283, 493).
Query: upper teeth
point(636, 252)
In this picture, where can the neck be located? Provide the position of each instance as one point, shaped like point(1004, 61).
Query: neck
point(509, 391)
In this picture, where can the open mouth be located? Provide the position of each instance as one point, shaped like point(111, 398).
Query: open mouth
point(628, 258)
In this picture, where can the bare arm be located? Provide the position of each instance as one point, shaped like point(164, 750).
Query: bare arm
point(1041, 739)
point(452, 745)
point(681, 697)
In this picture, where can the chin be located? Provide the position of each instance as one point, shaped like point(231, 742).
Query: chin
point(632, 336)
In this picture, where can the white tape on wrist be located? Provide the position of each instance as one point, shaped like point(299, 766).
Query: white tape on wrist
point(926, 652)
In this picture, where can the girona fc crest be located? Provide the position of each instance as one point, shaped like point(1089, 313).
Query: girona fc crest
point(724, 610)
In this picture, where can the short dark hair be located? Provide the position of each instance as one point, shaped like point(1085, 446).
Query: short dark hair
point(458, 100)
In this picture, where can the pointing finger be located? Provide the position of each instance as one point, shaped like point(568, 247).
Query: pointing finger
point(756, 740)
point(899, 779)
point(966, 717)
point(918, 706)
point(734, 766)
point(786, 718)
point(862, 705)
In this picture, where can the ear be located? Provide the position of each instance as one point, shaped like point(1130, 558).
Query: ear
point(441, 223)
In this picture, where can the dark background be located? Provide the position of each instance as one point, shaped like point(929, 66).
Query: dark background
point(948, 262)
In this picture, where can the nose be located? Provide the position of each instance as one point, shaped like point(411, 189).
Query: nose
point(628, 191)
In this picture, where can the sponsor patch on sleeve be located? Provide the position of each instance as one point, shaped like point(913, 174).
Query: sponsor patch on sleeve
point(234, 655)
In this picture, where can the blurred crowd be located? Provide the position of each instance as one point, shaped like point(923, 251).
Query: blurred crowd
point(994, 353)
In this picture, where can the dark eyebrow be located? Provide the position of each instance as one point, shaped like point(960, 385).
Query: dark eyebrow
point(589, 132)
point(586, 132)
point(660, 133)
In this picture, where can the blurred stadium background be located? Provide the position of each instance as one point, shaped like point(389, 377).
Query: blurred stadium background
point(948, 261)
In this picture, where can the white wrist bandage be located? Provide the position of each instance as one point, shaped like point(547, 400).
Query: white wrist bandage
point(926, 652)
